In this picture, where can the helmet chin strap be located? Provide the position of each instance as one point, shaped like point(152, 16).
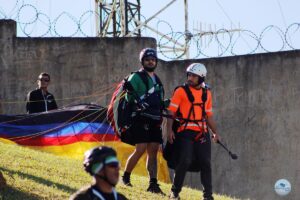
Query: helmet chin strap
point(201, 80)
point(105, 179)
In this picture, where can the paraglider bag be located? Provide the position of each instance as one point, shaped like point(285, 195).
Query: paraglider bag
point(127, 137)
point(125, 122)
point(171, 152)
point(119, 112)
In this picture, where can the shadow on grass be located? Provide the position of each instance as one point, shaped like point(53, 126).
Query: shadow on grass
point(10, 193)
point(40, 180)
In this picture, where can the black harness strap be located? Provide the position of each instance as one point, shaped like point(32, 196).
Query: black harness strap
point(204, 98)
point(144, 78)
point(204, 116)
point(191, 98)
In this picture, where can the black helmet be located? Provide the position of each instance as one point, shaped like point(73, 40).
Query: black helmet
point(147, 52)
point(97, 155)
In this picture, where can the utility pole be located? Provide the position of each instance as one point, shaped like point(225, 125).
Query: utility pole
point(186, 30)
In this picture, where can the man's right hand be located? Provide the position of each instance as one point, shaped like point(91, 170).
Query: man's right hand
point(170, 121)
point(171, 137)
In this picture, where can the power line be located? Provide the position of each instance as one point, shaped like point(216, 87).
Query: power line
point(282, 16)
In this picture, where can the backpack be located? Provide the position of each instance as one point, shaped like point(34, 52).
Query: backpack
point(120, 111)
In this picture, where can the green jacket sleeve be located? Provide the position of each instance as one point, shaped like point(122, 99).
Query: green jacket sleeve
point(137, 88)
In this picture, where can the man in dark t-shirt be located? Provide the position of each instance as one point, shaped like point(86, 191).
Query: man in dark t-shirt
point(145, 130)
point(40, 100)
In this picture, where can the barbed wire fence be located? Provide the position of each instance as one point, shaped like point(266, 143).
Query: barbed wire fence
point(32, 22)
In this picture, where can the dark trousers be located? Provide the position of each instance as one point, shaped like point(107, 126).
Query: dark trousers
point(201, 151)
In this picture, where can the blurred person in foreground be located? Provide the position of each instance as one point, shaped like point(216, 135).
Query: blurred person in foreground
point(102, 164)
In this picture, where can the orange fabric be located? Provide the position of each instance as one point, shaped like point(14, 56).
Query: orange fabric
point(180, 100)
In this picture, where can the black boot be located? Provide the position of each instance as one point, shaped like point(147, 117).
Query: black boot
point(126, 179)
point(208, 198)
point(154, 187)
point(174, 196)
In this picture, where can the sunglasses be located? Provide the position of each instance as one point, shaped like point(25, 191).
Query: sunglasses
point(44, 80)
point(113, 165)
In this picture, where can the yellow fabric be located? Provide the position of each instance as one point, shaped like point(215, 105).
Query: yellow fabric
point(6, 141)
point(76, 151)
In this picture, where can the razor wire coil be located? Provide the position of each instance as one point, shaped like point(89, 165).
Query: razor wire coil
point(171, 44)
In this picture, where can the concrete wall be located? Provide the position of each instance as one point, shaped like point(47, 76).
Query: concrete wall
point(81, 69)
point(255, 97)
point(256, 102)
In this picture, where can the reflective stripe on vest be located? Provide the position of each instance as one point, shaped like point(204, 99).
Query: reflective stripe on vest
point(194, 124)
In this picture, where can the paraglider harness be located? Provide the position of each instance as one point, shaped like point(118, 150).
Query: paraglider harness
point(120, 112)
point(180, 121)
point(170, 150)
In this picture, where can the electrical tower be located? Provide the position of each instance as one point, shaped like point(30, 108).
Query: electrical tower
point(117, 18)
point(122, 18)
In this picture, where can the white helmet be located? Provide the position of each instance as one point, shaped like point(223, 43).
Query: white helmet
point(197, 68)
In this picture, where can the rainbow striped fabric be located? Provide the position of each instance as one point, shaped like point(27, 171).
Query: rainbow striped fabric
point(70, 132)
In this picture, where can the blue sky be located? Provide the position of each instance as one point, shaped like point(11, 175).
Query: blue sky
point(253, 15)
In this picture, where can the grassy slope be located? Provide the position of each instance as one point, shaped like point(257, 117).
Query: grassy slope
point(36, 175)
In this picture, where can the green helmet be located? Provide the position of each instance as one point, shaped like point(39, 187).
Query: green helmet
point(96, 158)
